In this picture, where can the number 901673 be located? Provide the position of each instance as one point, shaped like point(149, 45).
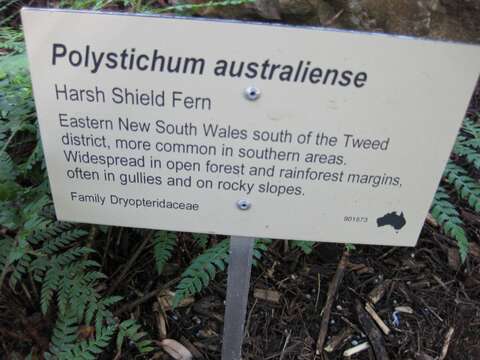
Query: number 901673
point(355, 219)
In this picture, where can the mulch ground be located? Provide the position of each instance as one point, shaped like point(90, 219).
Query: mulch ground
point(427, 300)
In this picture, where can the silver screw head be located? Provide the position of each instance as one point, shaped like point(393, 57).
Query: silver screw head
point(243, 204)
point(252, 93)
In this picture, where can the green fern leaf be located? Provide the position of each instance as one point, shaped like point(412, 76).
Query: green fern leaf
point(49, 286)
point(305, 246)
point(163, 244)
point(64, 334)
point(131, 329)
point(89, 349)
point(471, 127)
point(471, 154)
point(447, 216)
point(467, 187)
point(201, 240)
point(63, 240)
point(202, 269)
point(8, 170)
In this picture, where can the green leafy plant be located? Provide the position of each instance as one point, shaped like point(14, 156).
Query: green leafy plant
point(457, 175)
point(449, 219)
point(163, 245)
point(305, 246)
point(205, 267)
point(201, 240)
point(37, 252)
point(466, 187)
point(194, 7)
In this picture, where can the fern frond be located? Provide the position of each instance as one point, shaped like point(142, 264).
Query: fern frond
point(471, 127)
point(163, 244)
point(466, 186)
point(20, 269)
point(447, 216)
point(350, 247)
point(64, 334)
point(54, 229)
point(305, 246)
point(470, 154)
point(131, 329)
point(62, 241)
point(202, 270)
point(6, 246)
point(260, 246)
point(463, 147)
point(71, 255)
point(100, 311)
point(49, 286)
point(89, 349)
point(8, 170)
point(474, 143)
point(201, 240)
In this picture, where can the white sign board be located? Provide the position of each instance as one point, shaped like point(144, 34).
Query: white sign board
point(145, 122)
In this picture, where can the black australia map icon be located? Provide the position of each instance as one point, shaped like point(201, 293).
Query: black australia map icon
point(393, 219)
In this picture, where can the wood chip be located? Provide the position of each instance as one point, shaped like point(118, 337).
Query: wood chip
point(267, 295)
point(356, 349)
point(446, 343)
point(404, 309)
point(377, 293)
point(378, 320)
point(338, 339)
point(175, 349)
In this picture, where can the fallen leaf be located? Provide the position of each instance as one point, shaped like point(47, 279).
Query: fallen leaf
point(176, 350)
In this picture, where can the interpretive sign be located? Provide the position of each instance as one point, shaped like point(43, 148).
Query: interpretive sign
point(244, 129)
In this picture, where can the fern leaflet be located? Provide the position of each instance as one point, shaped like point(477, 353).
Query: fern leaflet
point(447, 216)
point(466, 187)
point(131, 329)
point(163, 245)
point(305, 246)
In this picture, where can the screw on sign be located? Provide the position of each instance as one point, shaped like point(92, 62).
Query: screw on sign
point(252, 93)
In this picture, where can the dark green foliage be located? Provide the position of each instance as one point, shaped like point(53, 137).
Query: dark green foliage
point(202, 270)
point(11, 39)
point(163, 244)
point(205, 267)
point(201, 240)
point(64, 335)
point(350, 247)
point(447, 216)
point(131, 329)
point(305, 246)
point(467, 187)
point(468, 143)
point(457, 175)
point(52, 253)
point(87, 349)
point(189, 8)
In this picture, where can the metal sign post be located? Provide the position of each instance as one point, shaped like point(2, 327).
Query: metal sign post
point(239, 270)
